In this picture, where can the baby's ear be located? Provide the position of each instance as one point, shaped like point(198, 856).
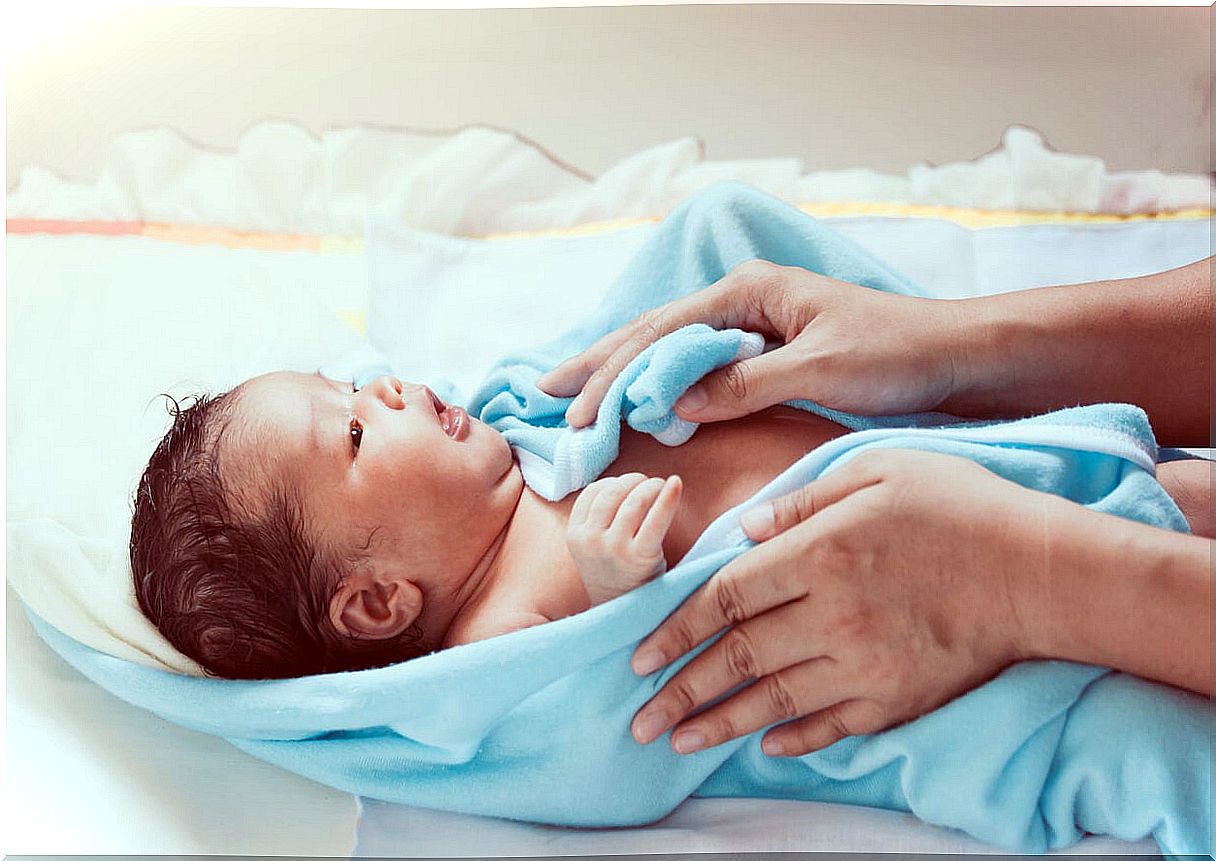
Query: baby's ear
point(374, 606)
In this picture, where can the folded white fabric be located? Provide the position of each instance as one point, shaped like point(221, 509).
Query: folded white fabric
point(280, 178)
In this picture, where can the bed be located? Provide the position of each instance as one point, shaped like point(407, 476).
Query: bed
point(275, 246)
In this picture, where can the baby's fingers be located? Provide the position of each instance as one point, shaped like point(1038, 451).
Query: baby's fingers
point(603, 508)
point(649, 538)
point(582, 505)
point(629, 516)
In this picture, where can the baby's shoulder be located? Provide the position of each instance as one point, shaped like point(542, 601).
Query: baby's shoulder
point(491, 624)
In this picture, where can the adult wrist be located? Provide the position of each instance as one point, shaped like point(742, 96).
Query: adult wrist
point(967, 337)
point(1121, 594)
point(1057, 588)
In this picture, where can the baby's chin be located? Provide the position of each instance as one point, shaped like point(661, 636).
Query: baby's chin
point(512, 462)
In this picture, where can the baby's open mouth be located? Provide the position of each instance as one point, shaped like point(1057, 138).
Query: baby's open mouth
point(454, 420)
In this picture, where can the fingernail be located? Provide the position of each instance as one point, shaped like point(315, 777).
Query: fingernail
point(647, 661)
point(758, 522)
point(650, 726)
point(693, 399)
point(772, 747)
point(689, 741)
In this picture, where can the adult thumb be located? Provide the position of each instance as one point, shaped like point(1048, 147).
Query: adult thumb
point(743, 387)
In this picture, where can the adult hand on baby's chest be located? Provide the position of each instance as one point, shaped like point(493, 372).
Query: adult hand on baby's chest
point(884, 590)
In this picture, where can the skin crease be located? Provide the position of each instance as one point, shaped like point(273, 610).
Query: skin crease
point(454, 540)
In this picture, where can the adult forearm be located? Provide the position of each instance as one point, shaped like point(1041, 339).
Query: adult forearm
point(1124, 595)
point(1146, 341)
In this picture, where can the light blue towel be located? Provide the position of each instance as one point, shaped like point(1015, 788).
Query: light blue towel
point(535, 725)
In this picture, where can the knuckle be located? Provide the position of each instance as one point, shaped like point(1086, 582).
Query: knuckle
point(722, 728)
point(683, 637)
point(729, 600)
point(781, 699)
point(735, 380)
point(871, 465)
point(797, 506)
point(600, 376)
point(649, 327)
point(755, 269)
point(682, 697)
point(836, 722)
point(832, 552)
point(871, 717)
point(740, 655)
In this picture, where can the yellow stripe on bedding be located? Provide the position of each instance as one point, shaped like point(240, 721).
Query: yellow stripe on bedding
point(331, 244)
point(194, 235)
point(973, 218)
point(991, 217)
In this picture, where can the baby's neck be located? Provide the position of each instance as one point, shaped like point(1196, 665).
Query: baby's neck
point(528, 565)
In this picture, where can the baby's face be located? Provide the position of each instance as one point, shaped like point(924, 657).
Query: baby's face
point(389, 465)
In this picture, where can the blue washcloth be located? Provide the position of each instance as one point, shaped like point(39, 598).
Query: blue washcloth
point(534, 725)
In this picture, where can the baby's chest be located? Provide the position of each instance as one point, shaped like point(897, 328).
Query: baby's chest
point(724, 464)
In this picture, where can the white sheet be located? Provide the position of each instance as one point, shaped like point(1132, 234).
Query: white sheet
point(721, 825)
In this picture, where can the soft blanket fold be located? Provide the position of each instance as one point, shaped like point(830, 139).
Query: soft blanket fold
point(534, 725)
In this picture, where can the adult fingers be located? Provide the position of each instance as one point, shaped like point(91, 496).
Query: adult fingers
point(761, 648)
point(570, 376)
point(755, 295)
point(636, 337)
point(813, 686)
point(729, 302)
point(825, 727)
point(776, 516)
point(658, 520)
point(604, 507)
point(760, 579)
point(744, 387)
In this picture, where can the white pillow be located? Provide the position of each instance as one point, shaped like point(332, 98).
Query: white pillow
point(444, 309)
point(98, 327)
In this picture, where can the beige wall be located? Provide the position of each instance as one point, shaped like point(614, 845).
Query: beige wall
point(839, 86)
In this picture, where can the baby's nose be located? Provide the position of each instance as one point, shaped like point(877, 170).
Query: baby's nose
point(387, 390)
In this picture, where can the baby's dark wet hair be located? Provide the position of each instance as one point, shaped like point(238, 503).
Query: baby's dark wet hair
point(245, 596)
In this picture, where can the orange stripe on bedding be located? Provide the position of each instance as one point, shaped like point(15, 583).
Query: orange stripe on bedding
point(191, 235)
point(98, 228)
point(186, 234)
point(266, 241)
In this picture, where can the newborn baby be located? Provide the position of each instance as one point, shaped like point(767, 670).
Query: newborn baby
point(295, 526)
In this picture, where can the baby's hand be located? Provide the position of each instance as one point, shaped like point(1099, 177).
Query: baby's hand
point(616, 532)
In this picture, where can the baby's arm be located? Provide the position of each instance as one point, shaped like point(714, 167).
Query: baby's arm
point(616, 532)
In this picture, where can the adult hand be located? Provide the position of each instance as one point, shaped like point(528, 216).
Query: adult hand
point(847, 347)
point(880, 592)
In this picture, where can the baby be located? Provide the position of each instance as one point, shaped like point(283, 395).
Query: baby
point(294, 525)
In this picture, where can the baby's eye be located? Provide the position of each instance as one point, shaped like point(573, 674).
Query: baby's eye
point(356, 434)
